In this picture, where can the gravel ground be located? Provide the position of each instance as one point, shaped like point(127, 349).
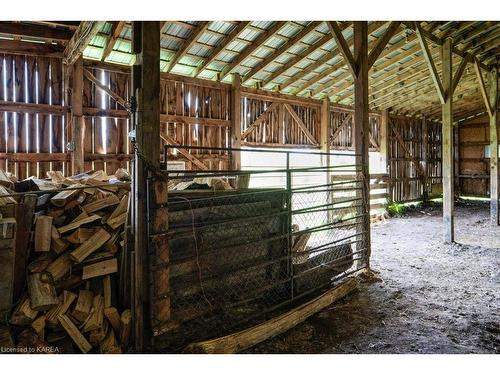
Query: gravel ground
point(432, 297)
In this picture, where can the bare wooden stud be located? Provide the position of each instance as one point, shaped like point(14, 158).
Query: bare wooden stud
point(236, 123)
point(493, 100)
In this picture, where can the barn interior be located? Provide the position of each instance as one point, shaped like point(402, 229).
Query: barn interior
point(249, 186)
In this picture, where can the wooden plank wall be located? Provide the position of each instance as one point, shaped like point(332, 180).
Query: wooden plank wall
point(106, 144)
point(474, 167)
point(37, 80)
point(406, 158)
point(279, 123)
point(342, 135)
point(196, 113)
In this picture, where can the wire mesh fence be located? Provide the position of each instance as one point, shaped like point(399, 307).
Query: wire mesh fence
point(244, 245)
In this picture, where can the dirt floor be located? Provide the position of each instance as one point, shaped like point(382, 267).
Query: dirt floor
point(434, 298)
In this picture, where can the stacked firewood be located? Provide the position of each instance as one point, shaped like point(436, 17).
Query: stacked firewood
point(70, 298)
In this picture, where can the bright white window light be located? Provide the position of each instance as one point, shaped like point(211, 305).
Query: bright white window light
point(104, 125)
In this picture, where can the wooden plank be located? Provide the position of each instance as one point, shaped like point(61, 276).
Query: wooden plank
point(342, 45)
point(105, 89)
point(245, 339)
point(49, 34)
point(194, 120)
point(77, 124)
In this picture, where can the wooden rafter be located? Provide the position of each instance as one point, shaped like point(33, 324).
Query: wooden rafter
point(430, 63)
point(223, 45)
point(104, 88)
point(195, 34)
point(80, 40)
point(482, 86)
point(342, 45)
point(382, 43)
point(261, 39)
point(116, 30)
point(273, 56)
point(183, 151)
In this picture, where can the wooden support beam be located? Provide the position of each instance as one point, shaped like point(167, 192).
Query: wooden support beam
point(104, 88)
point(77, 122)
point(17, 47)
point(243, 55)
point(382, 42)
point(33, 108)
point(236, 135)
point(326, 126)
point(186, 46)
point(242, 340)
point(342, 46)
point(430, 63)
point(493, 102)
point(281, 50)
point(146, 122)
point(482, 87)
point(116, 30)
point(361, 133)
point(227, 40)
point(37, 31)
point(81, 39)
point(447, 147)
point(459, 73)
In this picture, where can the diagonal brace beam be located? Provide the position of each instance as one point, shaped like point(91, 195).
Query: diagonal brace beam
point(342, 45)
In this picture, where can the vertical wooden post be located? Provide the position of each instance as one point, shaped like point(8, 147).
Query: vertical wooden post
point(146, 89)
point(425, 150)
point(361, 124)
point(384, 139)
point(236, 121)
point(77, 124)
point(447, 152)
point(325, 134)
point(493, 98)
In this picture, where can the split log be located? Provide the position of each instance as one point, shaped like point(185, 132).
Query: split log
point(121, 208)
point(66, 298)
point(125, 320)
point(76, 224)
point(247, 338)
point(109, 344)
point(105, 267)
point(91, 245)
point(42, 291)
point(63, 197)
point(75, 334)
point(117, 221)
point(80, 235)
point(99, 204)
point(98, 335)
point(23, 314)
point(96, 319)
point(60, 267)
point(106, 286)
point(6, 339)
point(83, 305)
point(39, 326)
point(111, 313)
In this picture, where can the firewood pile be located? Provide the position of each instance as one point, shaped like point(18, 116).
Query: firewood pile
point(61, 251)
